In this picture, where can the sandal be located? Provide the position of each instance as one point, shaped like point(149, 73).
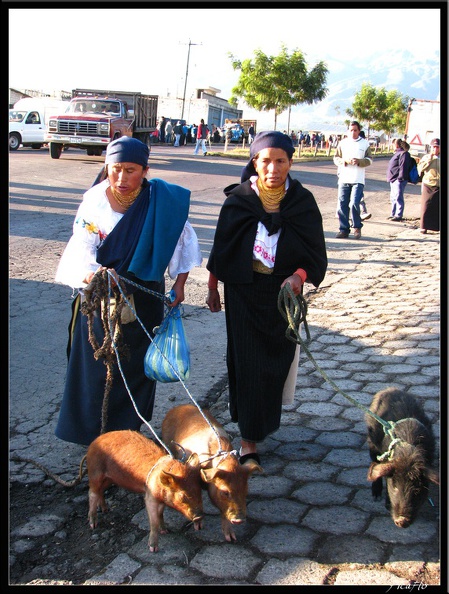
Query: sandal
point(250, 456)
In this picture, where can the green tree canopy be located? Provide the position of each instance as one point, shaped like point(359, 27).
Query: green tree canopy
point(278, 82)
point(379, 109)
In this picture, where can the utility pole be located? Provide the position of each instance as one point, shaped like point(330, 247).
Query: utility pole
point(185, 82)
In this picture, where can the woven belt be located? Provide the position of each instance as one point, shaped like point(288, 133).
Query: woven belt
point(259, 267)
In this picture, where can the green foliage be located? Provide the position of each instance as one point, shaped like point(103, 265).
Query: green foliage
point(278, 82)
point(379, 109)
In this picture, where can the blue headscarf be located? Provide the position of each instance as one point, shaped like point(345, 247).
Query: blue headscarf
point(124, 150)
point(263, 140)
point(127, 150)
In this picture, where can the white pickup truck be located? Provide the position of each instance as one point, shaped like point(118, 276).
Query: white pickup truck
point(28, 121)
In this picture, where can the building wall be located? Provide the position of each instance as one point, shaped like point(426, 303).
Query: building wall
point(212, 109)
point(14, 96)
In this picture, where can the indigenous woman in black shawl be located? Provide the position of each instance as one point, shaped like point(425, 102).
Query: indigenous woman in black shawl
point(135, 228)
point(269, 233)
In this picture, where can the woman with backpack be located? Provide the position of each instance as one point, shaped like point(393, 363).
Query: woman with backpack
point(397, 175)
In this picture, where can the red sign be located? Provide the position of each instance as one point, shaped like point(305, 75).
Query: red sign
point(416, 140)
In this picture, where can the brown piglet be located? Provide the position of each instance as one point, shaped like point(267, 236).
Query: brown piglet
point(130, 460)
point(222, 474)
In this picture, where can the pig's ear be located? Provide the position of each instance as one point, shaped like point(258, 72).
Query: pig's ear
point(433, 476)
point(208, 474)
point(379, 470)
point(168, 479)
point(181, 449)
point(193, 460)
point(252, 466)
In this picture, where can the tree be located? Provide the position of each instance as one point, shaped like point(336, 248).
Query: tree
point(278, 82)
point(379, 109)
point(396, 113)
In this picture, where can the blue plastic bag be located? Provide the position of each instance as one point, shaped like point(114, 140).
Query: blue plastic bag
point(168, 356)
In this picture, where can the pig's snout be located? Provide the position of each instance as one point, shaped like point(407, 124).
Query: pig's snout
point(198, 522)
point(402, 522)
point(237, 520)
point(235, 514)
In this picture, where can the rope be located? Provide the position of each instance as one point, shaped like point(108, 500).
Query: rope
point(167, 299)
point(154, 466)
point(97, 295)
point(55, 477)
point(294, 310)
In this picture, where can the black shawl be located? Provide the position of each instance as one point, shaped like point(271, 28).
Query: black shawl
point(301, 241)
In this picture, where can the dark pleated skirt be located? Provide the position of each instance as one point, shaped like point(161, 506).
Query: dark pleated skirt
point(258, 355)
point(430, 207)
point(80, 416)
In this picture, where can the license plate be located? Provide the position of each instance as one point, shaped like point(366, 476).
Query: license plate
point(77, 140)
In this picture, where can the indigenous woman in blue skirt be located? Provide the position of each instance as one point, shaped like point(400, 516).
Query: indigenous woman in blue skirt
point(136, 229)
point(269, 233)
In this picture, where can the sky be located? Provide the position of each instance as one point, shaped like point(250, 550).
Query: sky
point(69, 48)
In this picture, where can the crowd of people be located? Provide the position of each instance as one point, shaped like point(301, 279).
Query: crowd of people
point(353, 155)
point(269, 236)
point(314, 139)
point(165, 133)
point(179, 133)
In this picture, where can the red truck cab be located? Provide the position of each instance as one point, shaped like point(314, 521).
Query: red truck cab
point(93, 120)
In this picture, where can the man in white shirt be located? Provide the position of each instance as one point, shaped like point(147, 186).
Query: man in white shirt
point(352, 157)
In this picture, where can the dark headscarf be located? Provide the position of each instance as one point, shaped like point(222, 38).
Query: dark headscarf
point(263, 140)
point(127, 150)
point(124, 150)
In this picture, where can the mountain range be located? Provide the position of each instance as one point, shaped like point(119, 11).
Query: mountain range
point(402, 71)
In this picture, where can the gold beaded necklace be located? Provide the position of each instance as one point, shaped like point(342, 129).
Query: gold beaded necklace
point(270, 197)
point(126, 200)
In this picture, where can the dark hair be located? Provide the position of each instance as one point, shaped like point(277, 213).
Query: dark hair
point(355, 123)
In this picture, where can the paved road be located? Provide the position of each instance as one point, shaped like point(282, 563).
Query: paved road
point(375, 322)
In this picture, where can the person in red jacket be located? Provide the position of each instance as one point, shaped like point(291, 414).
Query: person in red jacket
point(201, 136)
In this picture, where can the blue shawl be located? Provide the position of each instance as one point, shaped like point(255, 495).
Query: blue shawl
point(143, 241)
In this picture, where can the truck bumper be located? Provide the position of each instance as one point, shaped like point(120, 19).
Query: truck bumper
point(77, 140)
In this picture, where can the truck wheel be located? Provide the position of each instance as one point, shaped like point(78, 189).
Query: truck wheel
point(14, 141)
point(98, 151)
point(36, 146)
point(90, 152)
point(143, 137)
point(55, 150)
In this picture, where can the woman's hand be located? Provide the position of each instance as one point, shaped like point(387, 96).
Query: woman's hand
point(178, 288)
point(90, 275)
point(213, 300)
point(295, 282)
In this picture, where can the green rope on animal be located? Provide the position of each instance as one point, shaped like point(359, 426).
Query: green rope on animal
point(293, 309)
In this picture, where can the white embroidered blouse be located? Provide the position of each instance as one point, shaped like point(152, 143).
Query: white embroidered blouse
point(94, 220)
